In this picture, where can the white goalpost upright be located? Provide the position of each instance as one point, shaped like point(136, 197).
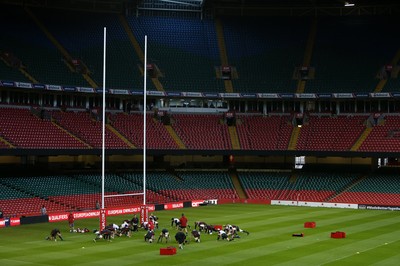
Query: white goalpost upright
point(143, 209)
point(103, 133)
point(144, 117)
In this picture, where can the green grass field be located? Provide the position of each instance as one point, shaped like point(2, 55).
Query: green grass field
point(372, 238)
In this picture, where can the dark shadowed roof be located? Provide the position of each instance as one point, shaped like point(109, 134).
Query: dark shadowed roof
point(234, 7)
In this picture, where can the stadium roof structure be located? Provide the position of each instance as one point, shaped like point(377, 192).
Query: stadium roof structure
point(226, 7)
point(304, 7)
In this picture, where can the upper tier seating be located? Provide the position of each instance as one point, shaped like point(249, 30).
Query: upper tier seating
point(131, 126)
point(205, 132)
point(82, 125)
point(185, 50)
point(86, 44)
point(28, 43)
point(264, 133)
point(330, 133)
point(23, 129)
point(349, 51)
point(385, 137)
point(265, 51)
point(11, 73)
point(79, 130)
point(347, 54)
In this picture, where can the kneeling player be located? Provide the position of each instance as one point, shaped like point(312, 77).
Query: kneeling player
point(125, 229)
point(53, 235)
point(234, 229)
point(202, 226)
point(106, 234)
point(175, 222)
point(149, 236)
point(223, 235)
point(164, 234)
point(196, 235)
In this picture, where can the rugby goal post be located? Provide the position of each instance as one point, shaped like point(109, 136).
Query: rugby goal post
point(143, 208)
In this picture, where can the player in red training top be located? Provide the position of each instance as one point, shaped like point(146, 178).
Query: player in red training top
point(71, 221)
point(183, 222)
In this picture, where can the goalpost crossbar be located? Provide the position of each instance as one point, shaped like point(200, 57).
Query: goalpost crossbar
point(123, 195)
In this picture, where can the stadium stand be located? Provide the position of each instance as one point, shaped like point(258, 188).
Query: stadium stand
point(205, 132)
point(131, 126)
point(331, 133)
point(191, 185)
point(264, 55)
point(86, 44)
point(375, 189)
point(32, 47)
point(384, 136)
point(319, 187)
point(188, 60)
point(64, 49)
point(264, 133)
point(22, 128)
point(341, 67)
point(10, 70)
point(87, 128)
point(263, 185)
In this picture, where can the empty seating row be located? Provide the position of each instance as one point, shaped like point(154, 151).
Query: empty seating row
point(25, 195)
point(264, 133)
point(205, 132)
point(331, 133)
point(23, 128)
point(384, 137)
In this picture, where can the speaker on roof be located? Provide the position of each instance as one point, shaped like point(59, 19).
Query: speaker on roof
point(304, 70)
point(226, 72)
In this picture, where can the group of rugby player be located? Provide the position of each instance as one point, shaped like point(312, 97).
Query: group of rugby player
point(227, 232)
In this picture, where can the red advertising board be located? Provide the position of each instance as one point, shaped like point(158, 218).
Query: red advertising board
point(196, 203)
point(56, 217)
point(174, 205)
point(14, 221)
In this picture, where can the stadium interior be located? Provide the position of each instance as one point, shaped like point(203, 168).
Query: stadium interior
point(246, 99)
